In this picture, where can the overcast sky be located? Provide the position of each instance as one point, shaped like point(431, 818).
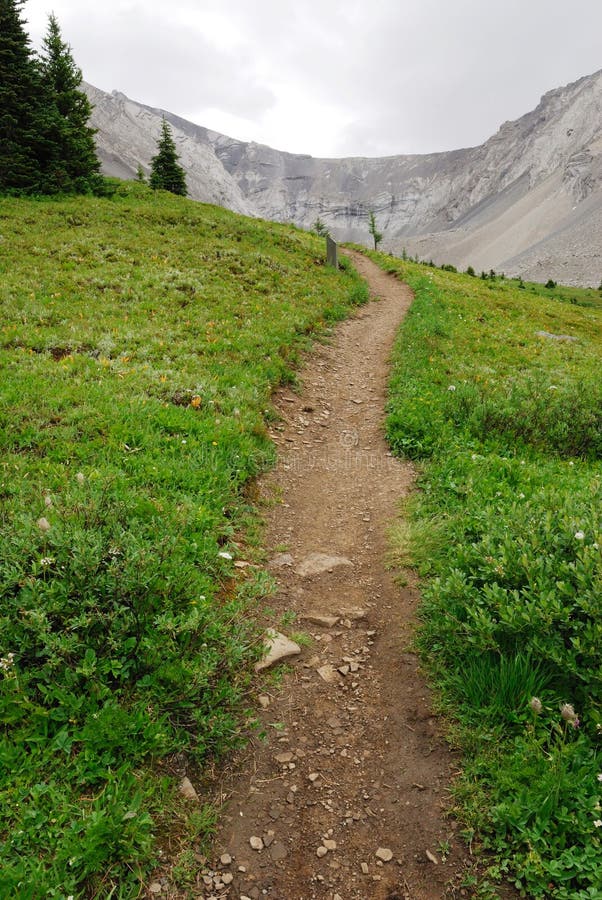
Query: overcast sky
point(334, 77)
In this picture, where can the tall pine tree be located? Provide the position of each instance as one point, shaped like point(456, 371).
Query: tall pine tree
point(72, 164)
point(22, 131)
point(166, 174)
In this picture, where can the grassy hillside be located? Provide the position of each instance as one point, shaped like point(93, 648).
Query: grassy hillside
point(507, 531)
point(140, 339)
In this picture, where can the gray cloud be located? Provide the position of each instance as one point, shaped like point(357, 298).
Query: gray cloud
point(410, 76)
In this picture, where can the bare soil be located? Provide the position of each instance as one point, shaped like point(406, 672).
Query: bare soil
point(352, 759)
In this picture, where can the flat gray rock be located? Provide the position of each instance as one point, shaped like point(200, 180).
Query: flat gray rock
point(317, 563)
point(278, 851)
point(188, 790)
point(327, 673)
point(555, 337)
point(278, 648)
point(355, 613)
point(281, 560)
point(322, 619)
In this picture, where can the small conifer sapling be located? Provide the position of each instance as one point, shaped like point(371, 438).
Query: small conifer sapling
point(166, 173)
point(373, 230)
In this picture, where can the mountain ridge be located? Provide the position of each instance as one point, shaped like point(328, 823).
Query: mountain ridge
point(527, 201)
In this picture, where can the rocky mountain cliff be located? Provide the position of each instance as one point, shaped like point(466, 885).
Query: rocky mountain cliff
point(528, 201)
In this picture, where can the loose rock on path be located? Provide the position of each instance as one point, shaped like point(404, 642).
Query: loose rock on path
point(345, 799)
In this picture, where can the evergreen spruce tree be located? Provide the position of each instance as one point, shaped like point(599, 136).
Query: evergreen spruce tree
point(166, 174)
point(21, 111)
point(71, 164)
point(373, 230)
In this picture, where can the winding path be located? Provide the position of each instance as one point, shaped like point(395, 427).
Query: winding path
point(352, 761)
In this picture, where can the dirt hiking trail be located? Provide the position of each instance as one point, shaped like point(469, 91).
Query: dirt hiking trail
point(345, 797)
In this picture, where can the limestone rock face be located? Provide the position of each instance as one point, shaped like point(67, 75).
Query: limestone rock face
point(524, 202)
point(127, 137)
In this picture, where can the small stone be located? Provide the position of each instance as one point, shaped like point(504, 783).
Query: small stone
point(227, 877)
point(322, 619)
point(155, 888)
point(330, 845)
point(321, 852)
point(264, 701)
point(317, 563)
point(314, 776)
point(385, 854)
point(281, 560)
point(278, 851)
point(187, 790)
point(284, 757)
point(278, 648)
point(555, 337)
point(344, 670)
point(256, 843)
point(365, 868)
point(337, 897)
point(328, 673)
point(268, 838)
point(432, 858)
point(314, 661)
point(355, 613)
point(225, 859)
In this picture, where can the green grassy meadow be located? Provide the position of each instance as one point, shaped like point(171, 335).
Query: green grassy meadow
point(506, 531)
point(140, 340)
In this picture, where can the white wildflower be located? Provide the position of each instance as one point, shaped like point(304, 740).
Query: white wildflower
point(536, 705)
point(47, 501)
point(579, 536)
point(452, 387)
point(43, 524)
point(46, 561)
point(7, 662)
point(80, 477)
point(597, 823)
point(225, 555)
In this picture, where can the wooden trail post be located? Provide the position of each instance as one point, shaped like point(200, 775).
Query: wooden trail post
point(332, 252)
